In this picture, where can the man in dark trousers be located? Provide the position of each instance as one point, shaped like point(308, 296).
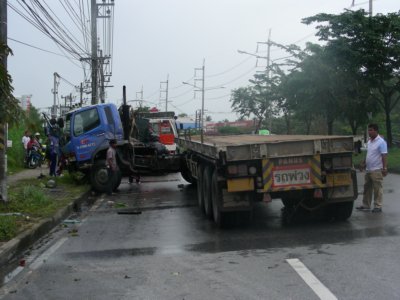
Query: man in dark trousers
point(54, 148)
point(112, 166)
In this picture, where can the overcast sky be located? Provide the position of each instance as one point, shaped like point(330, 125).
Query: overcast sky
point(154, 39)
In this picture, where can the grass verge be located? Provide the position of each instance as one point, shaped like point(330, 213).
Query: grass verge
point(30, 201)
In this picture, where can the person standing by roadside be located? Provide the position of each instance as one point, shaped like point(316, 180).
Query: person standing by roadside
point(53, 151)
point(25, 140)
point(375, 165)
point(112, 166)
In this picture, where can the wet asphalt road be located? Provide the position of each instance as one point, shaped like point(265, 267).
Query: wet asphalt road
point(151, 242)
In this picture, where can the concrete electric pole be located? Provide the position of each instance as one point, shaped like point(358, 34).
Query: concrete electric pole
point(3, 126)
point(94, 51)
point(55, 92)
point(164, 89)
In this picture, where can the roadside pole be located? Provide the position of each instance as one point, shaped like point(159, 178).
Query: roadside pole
point(3, 126)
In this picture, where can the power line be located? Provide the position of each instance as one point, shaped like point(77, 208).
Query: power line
point(26, 44)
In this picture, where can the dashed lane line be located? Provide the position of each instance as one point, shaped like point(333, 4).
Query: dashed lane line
point(322, 291)
point(45, 256)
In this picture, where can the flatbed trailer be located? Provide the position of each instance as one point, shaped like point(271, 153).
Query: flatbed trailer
point(310, 172)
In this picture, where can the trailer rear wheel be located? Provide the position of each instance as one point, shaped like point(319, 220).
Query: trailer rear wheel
point(99, 176)
point(207, 191)
point(216, 198)
point(200, 196)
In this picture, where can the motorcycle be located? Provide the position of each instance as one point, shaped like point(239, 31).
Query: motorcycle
point(36, 157)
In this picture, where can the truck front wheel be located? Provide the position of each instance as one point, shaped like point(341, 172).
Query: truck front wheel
point(99, 176)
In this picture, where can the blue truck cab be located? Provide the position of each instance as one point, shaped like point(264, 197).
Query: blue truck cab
point(88, 130)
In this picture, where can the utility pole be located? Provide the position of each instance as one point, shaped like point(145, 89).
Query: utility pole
point(81, 95)
point(370, 8)
point(202, 69)
point(202, 101)
point(3, 126)
point(164, 91)
point(102, 92)
point(55, 92)
point(268, 58)
point(141, 97)
point(94, 51)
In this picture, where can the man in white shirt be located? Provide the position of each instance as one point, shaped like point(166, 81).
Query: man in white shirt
point(375, 165)
point(25, 141)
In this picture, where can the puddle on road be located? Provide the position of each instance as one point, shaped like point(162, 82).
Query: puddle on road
point(242, 244)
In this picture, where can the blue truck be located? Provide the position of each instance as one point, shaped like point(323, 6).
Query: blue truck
point(85, 139)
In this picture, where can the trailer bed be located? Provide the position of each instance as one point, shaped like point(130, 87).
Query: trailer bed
point(242, 147)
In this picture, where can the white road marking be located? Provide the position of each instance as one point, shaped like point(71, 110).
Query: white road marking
point(12, 274)
point(312, 281)
point(97, 204)
point(42, 258)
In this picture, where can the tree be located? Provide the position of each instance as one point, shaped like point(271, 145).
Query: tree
point(10, 111)
point(372, 47)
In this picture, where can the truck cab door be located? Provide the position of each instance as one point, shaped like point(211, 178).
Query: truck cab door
point(87, 133)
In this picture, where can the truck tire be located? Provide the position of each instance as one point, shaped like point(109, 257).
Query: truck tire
point(200, 196)
point(341, 211)
point(216, 199)
point(99, 176)
point(187, 175)
point(207, 191)
point(185, 171)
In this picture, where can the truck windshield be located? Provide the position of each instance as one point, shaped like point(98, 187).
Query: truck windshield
point(85, 121)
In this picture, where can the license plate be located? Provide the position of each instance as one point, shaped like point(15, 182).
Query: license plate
point(292, 176)
point(339, 179)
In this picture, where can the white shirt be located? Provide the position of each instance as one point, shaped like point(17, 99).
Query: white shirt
point(375, 149)
point(25, 141)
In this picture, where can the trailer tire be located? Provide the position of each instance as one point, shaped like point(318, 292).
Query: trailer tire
point(341, 211)
point(200, 196)
point(216, 199)
point(99, 176)
point(207, 191)
point(288, 202)
point(187, 175)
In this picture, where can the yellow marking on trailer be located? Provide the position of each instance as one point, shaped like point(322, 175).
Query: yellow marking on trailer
point(240, 184)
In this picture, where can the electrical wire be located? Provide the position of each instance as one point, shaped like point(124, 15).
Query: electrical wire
point(26, 44)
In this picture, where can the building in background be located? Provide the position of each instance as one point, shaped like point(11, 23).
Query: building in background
point(25, 102)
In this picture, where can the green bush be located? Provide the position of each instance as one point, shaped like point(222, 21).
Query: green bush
point(15, 154)
point(30, 200)
point(8, 227)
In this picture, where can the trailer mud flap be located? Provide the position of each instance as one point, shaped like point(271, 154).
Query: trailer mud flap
point(235, 201)
point(344, 186)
